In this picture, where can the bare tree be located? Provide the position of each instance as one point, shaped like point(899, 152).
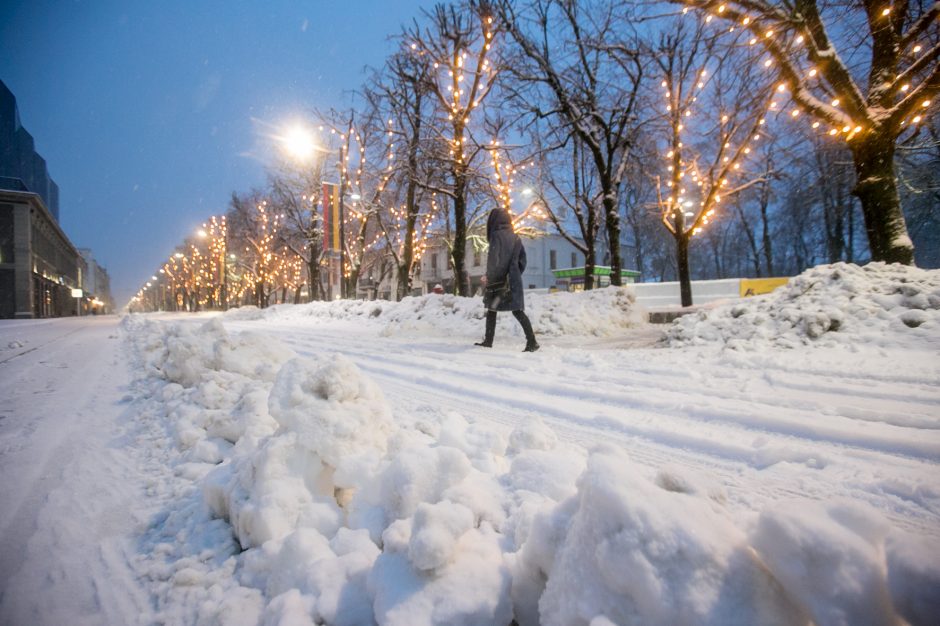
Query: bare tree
point(403, 90)
point(919, 178)
point(571, 178)
point(575, 70)
point(833, 167)
point(295, 192)
point(870, 102)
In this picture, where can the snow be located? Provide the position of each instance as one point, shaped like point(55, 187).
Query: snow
point(770, 461)
point(829, 305)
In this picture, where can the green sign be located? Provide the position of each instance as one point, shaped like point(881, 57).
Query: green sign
point(599, 270)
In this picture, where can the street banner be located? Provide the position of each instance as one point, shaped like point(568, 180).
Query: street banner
point(331, 216)
point(337, 216)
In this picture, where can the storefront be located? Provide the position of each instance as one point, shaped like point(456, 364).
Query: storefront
point(572, 278)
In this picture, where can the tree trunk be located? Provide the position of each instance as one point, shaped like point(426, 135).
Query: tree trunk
point(613, 235)
point(408, 254)
point(751, 238)
point(876, 188)
point(313, 271)
point(638, 250)
point(767, 240)
point(682, 263)
point(259, 295)
point(459, 253)
point(589, 264)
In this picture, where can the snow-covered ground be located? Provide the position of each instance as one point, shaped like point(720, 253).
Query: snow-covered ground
point(768, 461)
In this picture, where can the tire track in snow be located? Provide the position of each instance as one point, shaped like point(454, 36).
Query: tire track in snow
point(727, 411)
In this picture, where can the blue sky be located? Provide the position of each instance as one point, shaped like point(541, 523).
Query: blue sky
point(149, 114)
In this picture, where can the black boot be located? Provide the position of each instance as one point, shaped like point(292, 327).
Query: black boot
point(490, 330)
point(531, 345)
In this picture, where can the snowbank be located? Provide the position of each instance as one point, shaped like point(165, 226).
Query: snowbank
point(312, 502)
point(601, 312)
point(828, 305)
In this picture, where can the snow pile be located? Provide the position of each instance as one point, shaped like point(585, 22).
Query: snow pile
point(828, 305)
point(345, 513)
point(599, 312)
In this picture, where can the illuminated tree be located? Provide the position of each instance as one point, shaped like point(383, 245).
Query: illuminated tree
point(457, 44)
point(254, 226)
point(867, 72)
point(714, 116)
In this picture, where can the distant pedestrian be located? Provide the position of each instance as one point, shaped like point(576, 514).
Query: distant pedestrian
point(505, 263)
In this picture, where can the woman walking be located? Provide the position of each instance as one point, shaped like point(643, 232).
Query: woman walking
point(505, 263)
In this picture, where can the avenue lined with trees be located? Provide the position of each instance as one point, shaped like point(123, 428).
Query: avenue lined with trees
point(688, 140)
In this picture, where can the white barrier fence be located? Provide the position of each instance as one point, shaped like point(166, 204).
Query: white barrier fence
point(661, 295)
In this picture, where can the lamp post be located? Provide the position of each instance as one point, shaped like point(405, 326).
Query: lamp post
point(223, 259)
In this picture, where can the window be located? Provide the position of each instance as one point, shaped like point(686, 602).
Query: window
point(574, 259)
point(552, 260)
point(434, 261)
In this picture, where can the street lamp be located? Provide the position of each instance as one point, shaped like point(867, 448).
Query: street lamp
point(298, 142)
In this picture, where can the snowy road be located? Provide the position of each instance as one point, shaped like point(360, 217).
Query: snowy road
point(765, 427)
point(70, 491)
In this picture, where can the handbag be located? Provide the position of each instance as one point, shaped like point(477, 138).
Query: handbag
point(497, 292)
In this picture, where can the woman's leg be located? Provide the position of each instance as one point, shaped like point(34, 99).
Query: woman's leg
point(490, 330)
point(531, 345)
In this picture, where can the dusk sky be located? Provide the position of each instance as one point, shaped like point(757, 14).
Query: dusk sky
point(150, 114)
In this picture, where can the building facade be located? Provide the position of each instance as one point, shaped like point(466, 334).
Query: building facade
point(41, 272)
point(21, 168)
point(96, 286)
point(39, 266)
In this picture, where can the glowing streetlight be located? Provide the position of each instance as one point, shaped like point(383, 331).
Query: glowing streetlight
point(299, 143)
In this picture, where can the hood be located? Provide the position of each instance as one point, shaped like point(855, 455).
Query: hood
point(498, 220)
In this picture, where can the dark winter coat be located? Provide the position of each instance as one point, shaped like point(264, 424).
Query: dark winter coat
point(506, 258)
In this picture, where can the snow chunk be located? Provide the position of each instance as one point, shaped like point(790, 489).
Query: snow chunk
point(336, 412)
point(534, 435)
point(914, 576)
point(435, 531)
point(829, 558)
point(637, 553)
point(474, 588)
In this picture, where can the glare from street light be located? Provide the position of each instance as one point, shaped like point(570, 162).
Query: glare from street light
point(527, 191)
point(298, 142)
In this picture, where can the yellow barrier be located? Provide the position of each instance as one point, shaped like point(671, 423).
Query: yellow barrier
point(758, 286)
